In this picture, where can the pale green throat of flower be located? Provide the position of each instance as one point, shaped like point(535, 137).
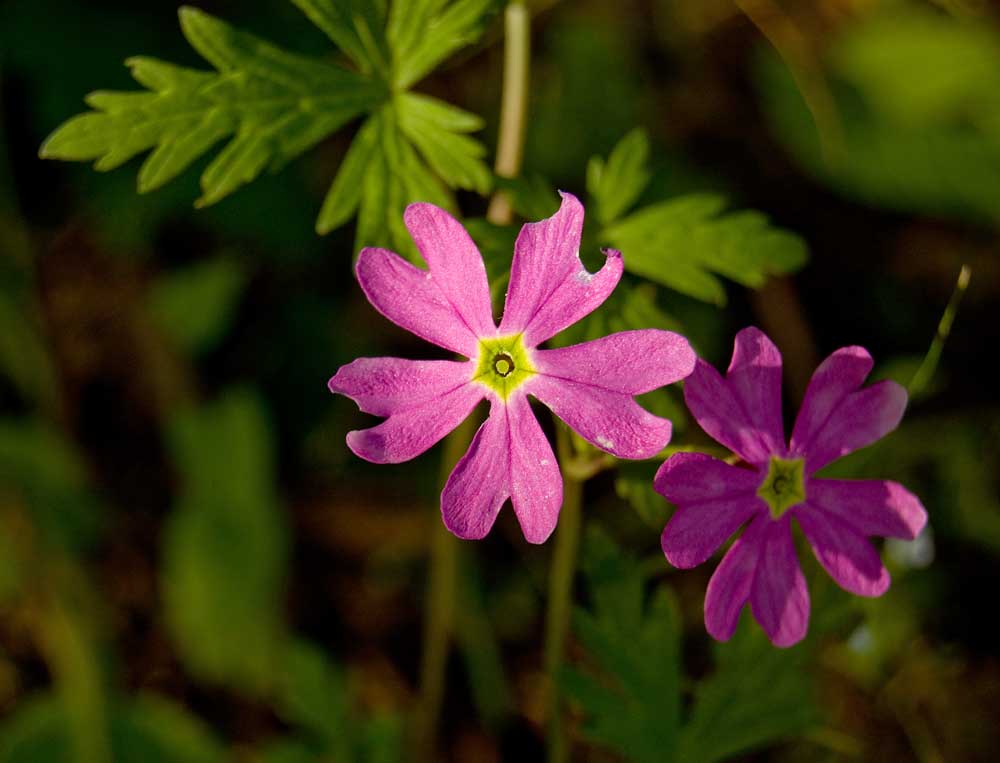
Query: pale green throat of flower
point(784, 485)
point(504, 364)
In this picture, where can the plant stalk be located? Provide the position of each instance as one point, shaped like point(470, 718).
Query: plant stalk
point(561, 594)
point(441, 593)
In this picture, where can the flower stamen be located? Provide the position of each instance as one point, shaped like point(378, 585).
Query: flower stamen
point(784, 485)
point(504, 364)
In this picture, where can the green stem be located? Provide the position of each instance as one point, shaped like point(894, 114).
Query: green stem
point(513, 104)
point(561, 594)
point(441, 584)
point(922, 378)
point(440, 607)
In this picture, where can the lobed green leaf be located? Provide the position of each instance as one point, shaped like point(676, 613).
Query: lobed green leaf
point(682, 242)
point(615, 185)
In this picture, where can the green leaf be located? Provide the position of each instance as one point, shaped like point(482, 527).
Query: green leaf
point(917, 99)
point(682, 242)
point(426, 32)
point(634, 483)
point(145, 730)
point(151, 729)
point(757, 695)
point(288, 751)
point(274, 104)
point(615, 185)
point(195, 305)
point(312, 694)
point(24, 358)
point(632, 699)
point(38, 732)
point(345, 193)
point(226, 545)
point(354, 26)
point(453, 156)
point(531, 196)
point(917, 66)
point(46, 470)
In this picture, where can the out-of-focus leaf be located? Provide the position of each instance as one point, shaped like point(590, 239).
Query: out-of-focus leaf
point(312, 693)
point(917, 66)
point(45, 469)
point(917, 99)
point(480, 650)
point(10, 569)
point(23, 357)
point(531, 196)
point(425, 32)
point(632, 702)
point(36, 732)
point(151, 729)
point(275, 104)
point(195, 306)
point(225, 553)
point(616, 184)
point(634, 484)
point(288, 751)
point(146, 730)
point(757, 695)
point(680, 243)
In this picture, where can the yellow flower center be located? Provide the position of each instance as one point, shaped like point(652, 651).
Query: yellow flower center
point(784, 486)
point(504, 364)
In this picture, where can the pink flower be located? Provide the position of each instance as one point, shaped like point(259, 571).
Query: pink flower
point(590, 386)
point(713, 498)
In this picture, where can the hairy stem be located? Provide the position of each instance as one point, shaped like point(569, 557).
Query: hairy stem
point(561, 594)
point(442, 586)
point(514, 104)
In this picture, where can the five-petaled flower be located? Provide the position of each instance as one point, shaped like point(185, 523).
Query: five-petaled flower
point(590, 386)
point(743, 412)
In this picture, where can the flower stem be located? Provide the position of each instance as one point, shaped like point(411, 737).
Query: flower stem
point(440, 607)
point(561, 594)
point(513, 104)
point(443, 552)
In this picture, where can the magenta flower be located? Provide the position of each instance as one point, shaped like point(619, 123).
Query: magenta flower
point(590, 386)
point(714, 498)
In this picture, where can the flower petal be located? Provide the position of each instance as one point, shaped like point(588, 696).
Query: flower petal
point(535, 483)
point(872, 507)
point(732, 581)
point(612, 421)
point(410, 431)
point(633, 362)
point(549, 287)
point(509, 457)
point(410, 298)
point(844, 553)
point(743, 410)
point(779, 599)
point(383, 386)
point(837, 417)
point(455, 264)
point(863, 417)
point(713, 499)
